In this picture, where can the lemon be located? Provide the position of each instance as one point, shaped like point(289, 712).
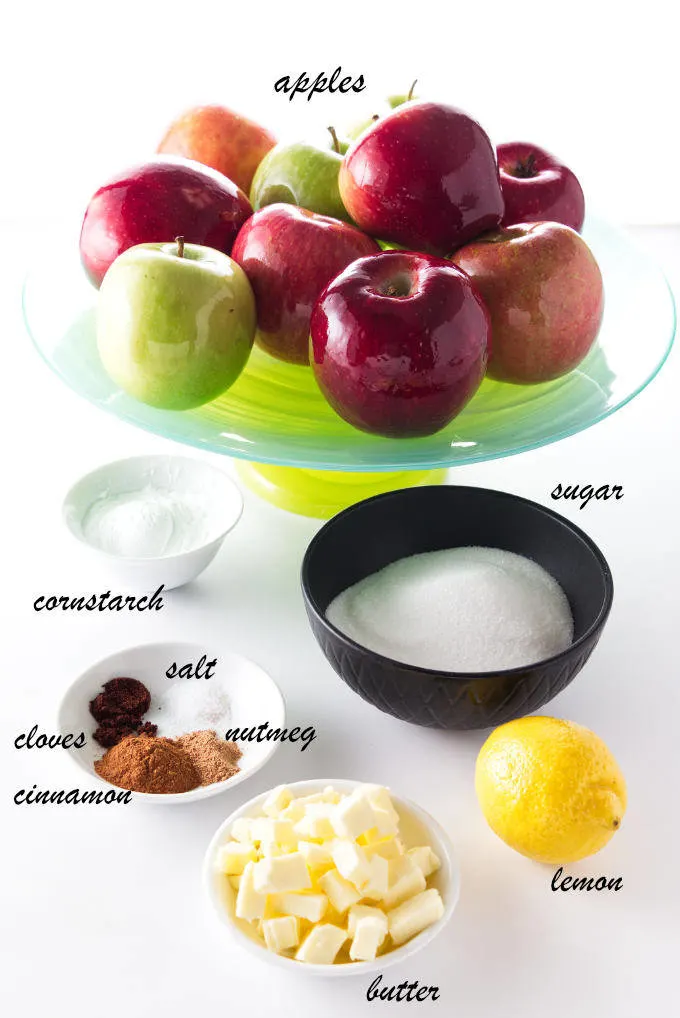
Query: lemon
point(550, 789)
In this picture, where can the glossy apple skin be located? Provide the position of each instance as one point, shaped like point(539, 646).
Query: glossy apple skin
point(220, 138)
point(543, 288)
point(289, 255)
point(156, 202)
point(175, 332)
point(538, 188)
point(425, 176)
point(300, 174)
point(402, 366)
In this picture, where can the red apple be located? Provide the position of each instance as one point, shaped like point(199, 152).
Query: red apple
point(425, 177)
point(221, 139)
point(543, 289)
point(158, 201)
point(399, 343)
point(537, 187)
point(289, 255)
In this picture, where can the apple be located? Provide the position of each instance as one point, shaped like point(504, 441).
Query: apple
point(399, 343)
point(221, 139)
point(175, 323)
point(537, 187)
point(543, 289)
point(425, 176)
point(300, 174)
point(356, 129)
point(289, 254)
point(157, 201)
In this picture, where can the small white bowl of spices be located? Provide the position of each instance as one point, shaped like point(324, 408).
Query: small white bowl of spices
point(153, 520)
point(160, 720)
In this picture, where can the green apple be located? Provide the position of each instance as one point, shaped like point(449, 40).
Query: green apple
point(175, 323)
point(355, 130)
point(300, 174)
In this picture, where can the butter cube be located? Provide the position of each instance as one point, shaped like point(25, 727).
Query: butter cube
point(386, 822)
point(379, 797)
point(270, 830)
point(377, 885)
point(329, 794)
point(341, 893)
point(294, 811)
point(361, 912)
point(389, 848)
point(425, 859)
point(368, 937)
point(241, 829)
point(351, 862)
point(316, 823)
point(276, 874)
point(415, 915)
point(322, 944)
point(277, 800)
point(270, 848)
point(353, 815)
point(232, 857)
point(316, 856)
point(250, 904)
point(405, 880)
point(306, 906)
point(280, 934)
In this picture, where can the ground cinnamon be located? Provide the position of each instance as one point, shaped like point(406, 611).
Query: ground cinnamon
point(214, 758)
point(143, 763)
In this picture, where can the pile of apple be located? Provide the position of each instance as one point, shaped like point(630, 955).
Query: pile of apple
point(401, 267)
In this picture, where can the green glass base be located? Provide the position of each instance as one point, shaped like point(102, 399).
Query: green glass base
point(323, 493)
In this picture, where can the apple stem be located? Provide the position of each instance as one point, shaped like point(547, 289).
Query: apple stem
point(180, 246)
point(526, 168)
point(336, 143)
point(410, 91)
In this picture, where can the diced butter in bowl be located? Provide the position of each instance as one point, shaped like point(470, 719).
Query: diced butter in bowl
point(332, 877)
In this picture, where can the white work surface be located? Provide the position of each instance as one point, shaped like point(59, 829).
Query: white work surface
point(102, 907)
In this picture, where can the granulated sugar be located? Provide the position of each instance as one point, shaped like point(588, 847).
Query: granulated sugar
point(460, 610)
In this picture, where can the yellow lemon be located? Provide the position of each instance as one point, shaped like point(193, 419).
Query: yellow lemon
point(550, 789)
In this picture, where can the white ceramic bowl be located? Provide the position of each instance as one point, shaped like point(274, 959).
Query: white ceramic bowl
point(253, 698)
point(417, 827)
point(219, 495)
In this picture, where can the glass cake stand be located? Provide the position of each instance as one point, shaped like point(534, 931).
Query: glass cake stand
point(295, 451)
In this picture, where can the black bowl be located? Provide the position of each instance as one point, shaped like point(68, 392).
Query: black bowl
point(371, 534)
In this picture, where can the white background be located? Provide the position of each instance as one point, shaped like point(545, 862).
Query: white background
point(87, 88)
point(102, 908)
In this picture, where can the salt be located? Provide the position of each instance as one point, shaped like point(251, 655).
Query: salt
point(189, 705)
point(466, 609)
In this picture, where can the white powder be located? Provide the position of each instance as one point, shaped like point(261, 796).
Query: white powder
point(148, 523)
point(189, 705)
point(459, 610)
